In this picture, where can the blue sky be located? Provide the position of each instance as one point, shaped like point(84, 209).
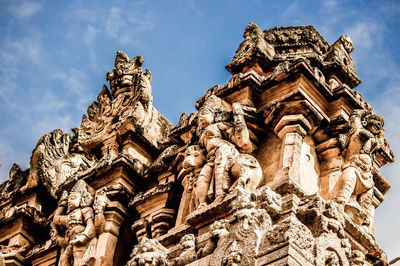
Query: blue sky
point(54, 56)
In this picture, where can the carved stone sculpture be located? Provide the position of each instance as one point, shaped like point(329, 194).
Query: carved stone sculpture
point(55, 159)
point(188, 255)
point(224, 161)
point(148, 252)
point(194, 194)
point(249, 220)
point(217, 231)
point(15, 182)
point(78, 220)
point(360, 143)
point(130, 97)
point(191, 166)
point(234, 256)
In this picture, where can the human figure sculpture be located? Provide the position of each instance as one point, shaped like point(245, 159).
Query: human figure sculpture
point(80, 239)
point(222, 139)
point(192, 164)
point(364, 137)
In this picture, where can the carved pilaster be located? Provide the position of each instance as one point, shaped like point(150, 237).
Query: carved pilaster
point(107, 242)
point(110, 146)
point(291, 129)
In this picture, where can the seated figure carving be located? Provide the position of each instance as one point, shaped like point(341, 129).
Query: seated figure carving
point(79, 243)
point(223, 140)
point(360, 143)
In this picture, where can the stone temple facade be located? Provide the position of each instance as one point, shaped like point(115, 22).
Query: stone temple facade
point(280, 166)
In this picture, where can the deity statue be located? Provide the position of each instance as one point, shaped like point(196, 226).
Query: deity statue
point(360, 143)
point(224, 141)
point(78, 221)
point(192, 164)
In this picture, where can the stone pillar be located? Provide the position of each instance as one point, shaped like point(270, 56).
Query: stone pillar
point(107, 242)
point(291, 129)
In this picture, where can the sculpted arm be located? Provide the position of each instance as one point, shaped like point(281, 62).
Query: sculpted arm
point(241, 136)
point(90, 228)
point(60, 219)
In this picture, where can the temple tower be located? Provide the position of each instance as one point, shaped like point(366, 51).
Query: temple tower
point(280, 166)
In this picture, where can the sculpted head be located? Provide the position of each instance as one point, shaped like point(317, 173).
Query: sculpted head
point(74, 201)
point(374, 123)
point(194, 157)
point(347, 43)
point(218, 228)
point(209, 110)
point(80, 196)
point(121, 59)
point(188, 241)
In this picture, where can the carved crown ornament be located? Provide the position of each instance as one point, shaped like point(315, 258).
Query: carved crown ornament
point(130, 98)
point(278, 166)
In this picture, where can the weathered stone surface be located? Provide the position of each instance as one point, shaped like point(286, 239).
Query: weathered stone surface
point(280, 166)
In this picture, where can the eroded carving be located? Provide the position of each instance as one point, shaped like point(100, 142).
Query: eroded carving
point(55, 159)
point(360, 143)
point(130, 98)
point(78, 221)
point(148, 252)
point(223, 140)
point(15, 182)
point(250, 220)
point(234, 256)
point(188, 254)
point(217, 230)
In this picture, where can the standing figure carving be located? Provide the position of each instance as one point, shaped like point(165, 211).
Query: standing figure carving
point(360, 143)
point(191, 166)
point(224, 141)
point(76, 214)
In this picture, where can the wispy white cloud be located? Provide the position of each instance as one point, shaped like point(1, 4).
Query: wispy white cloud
point(364, 33)
point(52, 121)
point(125, 28)
point(26, 9)
point(291, 10)
point(329, 4)
point(90, 35)
point(77, 83)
